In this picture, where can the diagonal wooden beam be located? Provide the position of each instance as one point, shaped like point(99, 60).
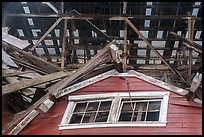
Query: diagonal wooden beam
point(46, 33)
point(154, 50)
point(51, 6)
point(94, 27)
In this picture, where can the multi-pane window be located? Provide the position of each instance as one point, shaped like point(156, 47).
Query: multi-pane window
point(90, 112)
point(116, 109)
point(140, 110)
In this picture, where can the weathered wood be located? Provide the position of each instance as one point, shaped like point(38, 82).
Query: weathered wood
point(195, 82)
point(24, 122)
point(190, 44)
point(46, 33)
point(155, 51)
point(63, 43)
point(115, 53)
point(94, 27)
point(190, 37)
point(32, 82)
point(159, 83)
point(85, 83)
point(46, 66)
point(14, 41)
point(104, 16)
point(13, 72)
point(51, 6)
point(125, 47)
point(45, 106)
point(124, 7)
point(7, 60)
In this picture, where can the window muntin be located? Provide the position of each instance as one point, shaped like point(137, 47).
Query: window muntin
point(140, 110)
point(117, 99)
point(90, 112)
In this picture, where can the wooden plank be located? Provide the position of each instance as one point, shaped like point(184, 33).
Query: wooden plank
point(104, 16)
point(24, 122)
point(32, 82)
point(13, 72)
point(115, 53)
point(7, 60)
point(195, 82)
point(14, 41)
point(63, 44)
point(155, 51)
point(125, 47)
point(46, 66)
point(85, 83)
point(159, 83)
point(190, 37)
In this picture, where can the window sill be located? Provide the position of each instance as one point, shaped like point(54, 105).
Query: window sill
point(119, 124)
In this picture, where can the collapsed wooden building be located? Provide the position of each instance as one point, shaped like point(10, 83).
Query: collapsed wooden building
point(57, 52)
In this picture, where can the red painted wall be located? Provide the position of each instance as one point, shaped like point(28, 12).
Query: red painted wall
point(182, 118)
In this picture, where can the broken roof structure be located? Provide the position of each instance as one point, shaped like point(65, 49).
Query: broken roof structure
point(51, 49)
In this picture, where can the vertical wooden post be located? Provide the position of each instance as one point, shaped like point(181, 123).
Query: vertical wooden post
point(125, 38)
point(63, 43)
point(125, 47)
point(190, 37)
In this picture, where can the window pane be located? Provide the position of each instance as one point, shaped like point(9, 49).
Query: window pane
point(105, 105)
point(80, 107)
point(154, 105)
point(89, 117)
point(92, 106)
point(102, 117)
point(152, 116)
point(127, 106)
point(139, 116)
point(125, 116)
point(76, 118)
point(141, 106)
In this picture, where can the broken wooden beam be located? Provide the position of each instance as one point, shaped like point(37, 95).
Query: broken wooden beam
point(36, 61)
point(9, 88)
point(14, 41)
point(190, 44)
point(24, 122)
point(7, 60)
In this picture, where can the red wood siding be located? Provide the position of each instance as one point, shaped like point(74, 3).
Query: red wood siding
point(182, 118)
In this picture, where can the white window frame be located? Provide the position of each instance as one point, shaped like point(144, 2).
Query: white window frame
point(115, 109)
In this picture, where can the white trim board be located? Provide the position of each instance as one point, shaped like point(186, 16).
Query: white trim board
point(115, 110)
point(114, 72)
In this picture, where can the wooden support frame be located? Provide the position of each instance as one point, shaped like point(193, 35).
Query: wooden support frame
point(94, 27)
point(190, 37)
point(46, 33)
point(63, 44)
point(155, 51)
